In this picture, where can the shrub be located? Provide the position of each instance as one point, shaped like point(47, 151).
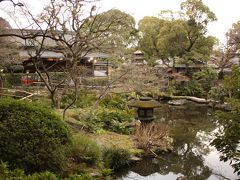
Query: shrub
point(232, 84)
point(106, 172)
point(84, 149)
point(85, 99)
point(80, 177)
point(31, 137)
point(217, 93)
point(19, 174)
point(227, 137)
point(206, 78)
point(200, 84)
point(7, 174)
point(12, 79)
point(192, 88)
point(114, 101)
point(111, 120)
point(41, 176)
point(115, 158)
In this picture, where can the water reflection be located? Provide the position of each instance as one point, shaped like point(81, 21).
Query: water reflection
point(192, 129)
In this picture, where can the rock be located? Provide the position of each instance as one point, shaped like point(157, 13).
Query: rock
point(220, 106)
point(182, 178)
point(135, 158)
point(177, 102)
point(224, 106)
point(191, 98)
point(94, 174)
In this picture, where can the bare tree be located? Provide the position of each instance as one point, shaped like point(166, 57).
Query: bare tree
point(222, 57)
point(76, 28)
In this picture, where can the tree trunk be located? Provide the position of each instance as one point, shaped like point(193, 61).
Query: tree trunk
point(56, 100)
point(220, 74)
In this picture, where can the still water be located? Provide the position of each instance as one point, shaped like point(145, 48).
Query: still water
point(192, 157)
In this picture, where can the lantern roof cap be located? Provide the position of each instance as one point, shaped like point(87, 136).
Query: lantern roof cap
point(144, 102)
point(138, 52)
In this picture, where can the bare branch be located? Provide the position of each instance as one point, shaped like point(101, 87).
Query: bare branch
point(14, 4)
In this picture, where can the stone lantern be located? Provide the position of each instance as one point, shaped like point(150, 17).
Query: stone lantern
point(145, 107)
point(138, 57)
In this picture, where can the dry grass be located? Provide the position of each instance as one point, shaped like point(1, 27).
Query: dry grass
point(151, 137)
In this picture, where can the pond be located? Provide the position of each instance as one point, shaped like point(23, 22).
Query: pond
point(192, 157)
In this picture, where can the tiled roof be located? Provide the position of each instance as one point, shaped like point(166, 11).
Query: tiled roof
point(45, 54)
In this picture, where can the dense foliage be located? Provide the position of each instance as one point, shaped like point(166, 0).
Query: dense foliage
point(85, 99)
point(200, 84)
point(31, 137)
point(121, 33)
point(17, 174)
point(7, 174)
point(112, 115)
point(232, 83)
point(115, 158)
point(9, 52)
point(84, 150)
point(228, 138)
point(182, 34)
point(113, 120)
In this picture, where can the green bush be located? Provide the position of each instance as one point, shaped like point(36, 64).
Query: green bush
point(7, 174)
point(112, 120)
point(112, 115)
point(115, 120)
point(114, 101)
point(200, 84)
point(12, 79)
point(84, 149)
point(232, 83)
point(227, 138)
point(192, 88)
point(85, 99)
point(115, 158)
point(80, 177)
point(217, 93)
point(31, 137)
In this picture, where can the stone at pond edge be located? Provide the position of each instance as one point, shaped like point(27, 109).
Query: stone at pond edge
point(135, 159)
point(177, 102)
point(219, 106)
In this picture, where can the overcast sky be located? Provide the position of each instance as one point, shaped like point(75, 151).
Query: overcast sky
point(227, 11)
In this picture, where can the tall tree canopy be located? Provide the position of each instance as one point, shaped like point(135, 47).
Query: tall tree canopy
point(226, 53)
point(8, 49)
point(149, 28)
point(183, 35)
point(121, 34)
point(233, 36)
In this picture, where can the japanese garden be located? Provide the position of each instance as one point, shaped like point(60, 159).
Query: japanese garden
point(89, 94)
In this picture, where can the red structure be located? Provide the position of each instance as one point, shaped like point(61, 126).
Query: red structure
point(27, 80)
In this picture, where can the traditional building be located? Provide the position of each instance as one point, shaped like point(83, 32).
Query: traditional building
point(52, 59)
